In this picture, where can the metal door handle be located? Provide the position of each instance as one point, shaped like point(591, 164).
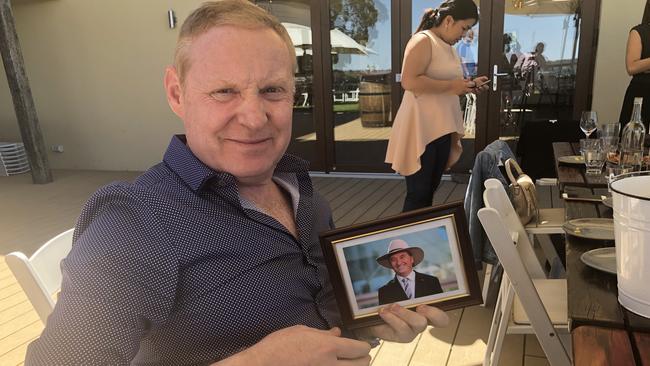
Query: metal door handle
point(495, 76)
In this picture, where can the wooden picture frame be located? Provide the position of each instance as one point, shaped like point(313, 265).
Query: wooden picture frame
point(437, 240)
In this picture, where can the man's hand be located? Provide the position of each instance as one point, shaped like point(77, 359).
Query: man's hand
point(403, 325)
point(299, 346)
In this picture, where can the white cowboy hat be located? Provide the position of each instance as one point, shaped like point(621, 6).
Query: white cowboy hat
point(399, 245)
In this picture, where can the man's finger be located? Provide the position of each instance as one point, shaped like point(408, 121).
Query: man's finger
point(417, 322)
point(400, 329)
point(336, 331)
point(364, 361)
point(435, 316)
point(351, 349)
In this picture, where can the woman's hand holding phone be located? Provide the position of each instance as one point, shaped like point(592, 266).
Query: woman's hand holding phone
point(462, 86)
point(481, 84)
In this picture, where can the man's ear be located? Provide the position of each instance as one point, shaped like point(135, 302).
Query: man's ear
point(173, 91)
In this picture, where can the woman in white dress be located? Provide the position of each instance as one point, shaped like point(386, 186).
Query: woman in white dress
point(425, 139)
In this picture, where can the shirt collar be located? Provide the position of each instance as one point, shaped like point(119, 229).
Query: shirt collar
point(180, 159)
point(411, 276)
point(288, 182)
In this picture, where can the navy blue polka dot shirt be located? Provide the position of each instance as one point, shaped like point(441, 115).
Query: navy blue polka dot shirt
point(173, 269)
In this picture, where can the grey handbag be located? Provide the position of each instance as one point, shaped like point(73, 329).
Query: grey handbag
point(522, 192)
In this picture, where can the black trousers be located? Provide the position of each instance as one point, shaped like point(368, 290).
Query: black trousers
point(635, 89)
point(421, 184)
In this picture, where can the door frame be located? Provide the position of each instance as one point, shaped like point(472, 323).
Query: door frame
point(487, 121)
point(324, 111)
point(491, 48)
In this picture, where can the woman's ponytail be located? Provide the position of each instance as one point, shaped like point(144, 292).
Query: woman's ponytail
point(457, 9)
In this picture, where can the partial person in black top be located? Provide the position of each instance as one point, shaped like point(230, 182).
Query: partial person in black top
point(637, 64)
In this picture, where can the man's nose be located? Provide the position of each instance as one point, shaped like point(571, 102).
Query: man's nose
point(252, 111)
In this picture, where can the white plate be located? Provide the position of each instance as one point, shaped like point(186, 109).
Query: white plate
point(602, 229)
point(608, 202)
point(603, 259)
point(571, 159)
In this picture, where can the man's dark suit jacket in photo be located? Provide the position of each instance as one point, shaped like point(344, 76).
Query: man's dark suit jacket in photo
point(425, 285)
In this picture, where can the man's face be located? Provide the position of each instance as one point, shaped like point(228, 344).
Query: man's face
point(402, 263)
point(236, 101)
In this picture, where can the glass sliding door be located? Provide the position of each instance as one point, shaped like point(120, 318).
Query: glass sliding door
point(360, 34)
point(539, 55)
point(307, 138)
point(541, 61)
point(536, 76)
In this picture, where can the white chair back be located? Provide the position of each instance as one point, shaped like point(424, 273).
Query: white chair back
point(495, 197)
point(513, 266)
point(40, 275)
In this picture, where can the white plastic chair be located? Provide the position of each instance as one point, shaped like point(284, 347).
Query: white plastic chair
point(352, 96)
point(469, 118)
point(525, 305)
point(340, 99)
point(40, 275)
point(550, 222)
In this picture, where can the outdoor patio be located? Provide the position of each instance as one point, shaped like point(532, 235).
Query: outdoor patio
point(34, 213)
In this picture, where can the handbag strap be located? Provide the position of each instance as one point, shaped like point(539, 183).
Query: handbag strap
point(512, 163)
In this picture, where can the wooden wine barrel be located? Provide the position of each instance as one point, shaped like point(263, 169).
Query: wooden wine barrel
point(374, 104)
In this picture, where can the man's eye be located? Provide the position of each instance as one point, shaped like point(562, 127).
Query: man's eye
point(223, 94)
point(272, 89)
point(273, 92)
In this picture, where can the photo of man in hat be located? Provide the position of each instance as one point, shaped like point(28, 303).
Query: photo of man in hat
point(407, 283)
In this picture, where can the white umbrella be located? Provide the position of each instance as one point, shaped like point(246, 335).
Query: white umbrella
point(302, 52)
point(300, 34)
point(340, 42)
point(538, 7)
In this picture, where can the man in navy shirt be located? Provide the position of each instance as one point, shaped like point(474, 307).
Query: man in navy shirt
point(212, 255)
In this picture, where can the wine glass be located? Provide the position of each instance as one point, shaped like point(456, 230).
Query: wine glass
point(588, 122)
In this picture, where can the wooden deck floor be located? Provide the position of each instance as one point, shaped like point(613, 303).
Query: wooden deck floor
point(31, 214)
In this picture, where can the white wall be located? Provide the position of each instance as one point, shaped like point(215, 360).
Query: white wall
point(610, 77)
point(95, 68)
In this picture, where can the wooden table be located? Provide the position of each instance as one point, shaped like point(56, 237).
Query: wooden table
point(572, 174)
point(603, 332)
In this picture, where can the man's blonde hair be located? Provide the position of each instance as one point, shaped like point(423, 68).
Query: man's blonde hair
point(239, 13)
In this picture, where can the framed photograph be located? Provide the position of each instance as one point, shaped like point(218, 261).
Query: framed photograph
point(418, 257)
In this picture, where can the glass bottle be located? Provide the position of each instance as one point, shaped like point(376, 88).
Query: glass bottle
point(632, 138)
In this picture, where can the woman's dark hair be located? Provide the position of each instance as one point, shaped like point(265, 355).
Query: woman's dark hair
point(646, 13)
point(457, 9)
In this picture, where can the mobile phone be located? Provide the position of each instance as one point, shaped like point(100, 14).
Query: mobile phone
point(587, 198)
point(485, 83)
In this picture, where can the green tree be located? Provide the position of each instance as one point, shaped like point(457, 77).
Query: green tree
point(354, 18)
